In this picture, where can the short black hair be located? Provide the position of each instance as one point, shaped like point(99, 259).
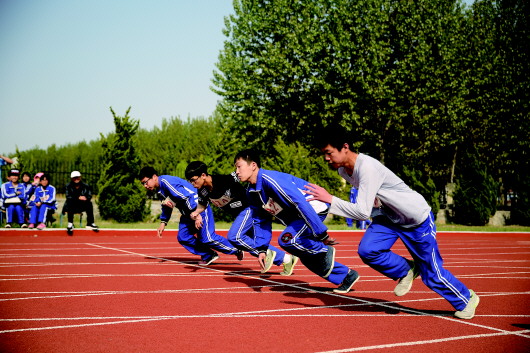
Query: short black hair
point(45, 176)
point(26, 173)
point(334, 135)
point(195, 168)
point(248, 155)
point(147, 172)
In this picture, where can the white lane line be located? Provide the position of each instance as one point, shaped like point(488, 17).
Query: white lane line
point(382, 304)
point(439, 340)
point(363, 302)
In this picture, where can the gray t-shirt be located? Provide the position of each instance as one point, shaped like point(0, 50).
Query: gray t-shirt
point(379, 186)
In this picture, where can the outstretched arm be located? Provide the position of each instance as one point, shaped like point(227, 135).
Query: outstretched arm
point(318, 193)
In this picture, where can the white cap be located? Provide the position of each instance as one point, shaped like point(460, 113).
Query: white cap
point(75, 174)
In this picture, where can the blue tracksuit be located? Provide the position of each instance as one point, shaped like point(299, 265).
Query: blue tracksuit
point(184, 195)
point(281, 195)
point(30, 190)
point(46, 196)
point(14, 201)
point(228, 194)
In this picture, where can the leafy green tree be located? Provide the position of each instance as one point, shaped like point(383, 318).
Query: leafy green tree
point(306, 164)
point(386, 69)
point(171, 147)
point(418, 182)
point(121, 196)
point(476, 192)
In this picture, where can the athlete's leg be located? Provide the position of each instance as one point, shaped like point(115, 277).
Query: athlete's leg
point(241, 235)
point(207, 235)
point(421, 243)
point(186, 238)
point(374, 250)
point(299, 240)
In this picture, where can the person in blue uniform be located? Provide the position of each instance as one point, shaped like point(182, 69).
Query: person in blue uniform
point(175, 192)
point(227, 193)
point(29, 190)
point(349, 221)
point(13, 196)
point(43, 202)
point(397, 212)
point(305, 235)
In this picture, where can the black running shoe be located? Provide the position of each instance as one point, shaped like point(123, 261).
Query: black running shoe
point(351, 278)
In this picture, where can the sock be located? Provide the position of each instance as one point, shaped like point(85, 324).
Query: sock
point(287, 258)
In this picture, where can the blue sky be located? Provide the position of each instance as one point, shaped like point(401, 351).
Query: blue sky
point(65, 62)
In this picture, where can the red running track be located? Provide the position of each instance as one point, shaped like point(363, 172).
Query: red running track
point(129, 291)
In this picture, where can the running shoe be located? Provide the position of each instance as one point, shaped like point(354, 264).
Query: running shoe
point(289, 266)
point(207, 262)
point(405, 283)
point(351, 278)
point(269, 260)
point(469, 310)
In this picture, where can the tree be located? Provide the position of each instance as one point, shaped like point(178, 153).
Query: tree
point(171, 147)
point(475, 196)
point(121, 197)
point(385, 69)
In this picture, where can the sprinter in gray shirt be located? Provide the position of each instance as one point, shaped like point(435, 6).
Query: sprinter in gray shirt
point(397, 212)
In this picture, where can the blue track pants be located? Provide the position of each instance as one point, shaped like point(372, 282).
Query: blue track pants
point(374, 250)
point(299, 240)
point(206, 238)
point(241, 235)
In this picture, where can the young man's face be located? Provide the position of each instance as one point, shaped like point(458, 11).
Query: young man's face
point(197, 181)
point(150, 183)
point(14, 178)
point(334, 157)
point(244, 170)
point(44, 182)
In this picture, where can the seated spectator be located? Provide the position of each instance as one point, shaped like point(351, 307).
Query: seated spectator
point(43, 203)
point(29, 188)
point(30, 193)
point(78, 200)
point(13, 197)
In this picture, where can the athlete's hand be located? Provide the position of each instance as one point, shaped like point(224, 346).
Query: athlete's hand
point(168, 202)
point(331, 241)
point(198, 221)
point(160, 230)
point(261, 259)
point(318, 193)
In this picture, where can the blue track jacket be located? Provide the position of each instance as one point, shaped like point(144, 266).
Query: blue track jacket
point(45, 196)
point(282, 196)
point(9, 191)
point(181, 192)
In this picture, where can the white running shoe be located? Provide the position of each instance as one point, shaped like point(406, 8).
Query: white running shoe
point(405, 283)
point(469, 310)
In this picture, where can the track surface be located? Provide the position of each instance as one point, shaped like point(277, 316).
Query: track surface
point(129, 291)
